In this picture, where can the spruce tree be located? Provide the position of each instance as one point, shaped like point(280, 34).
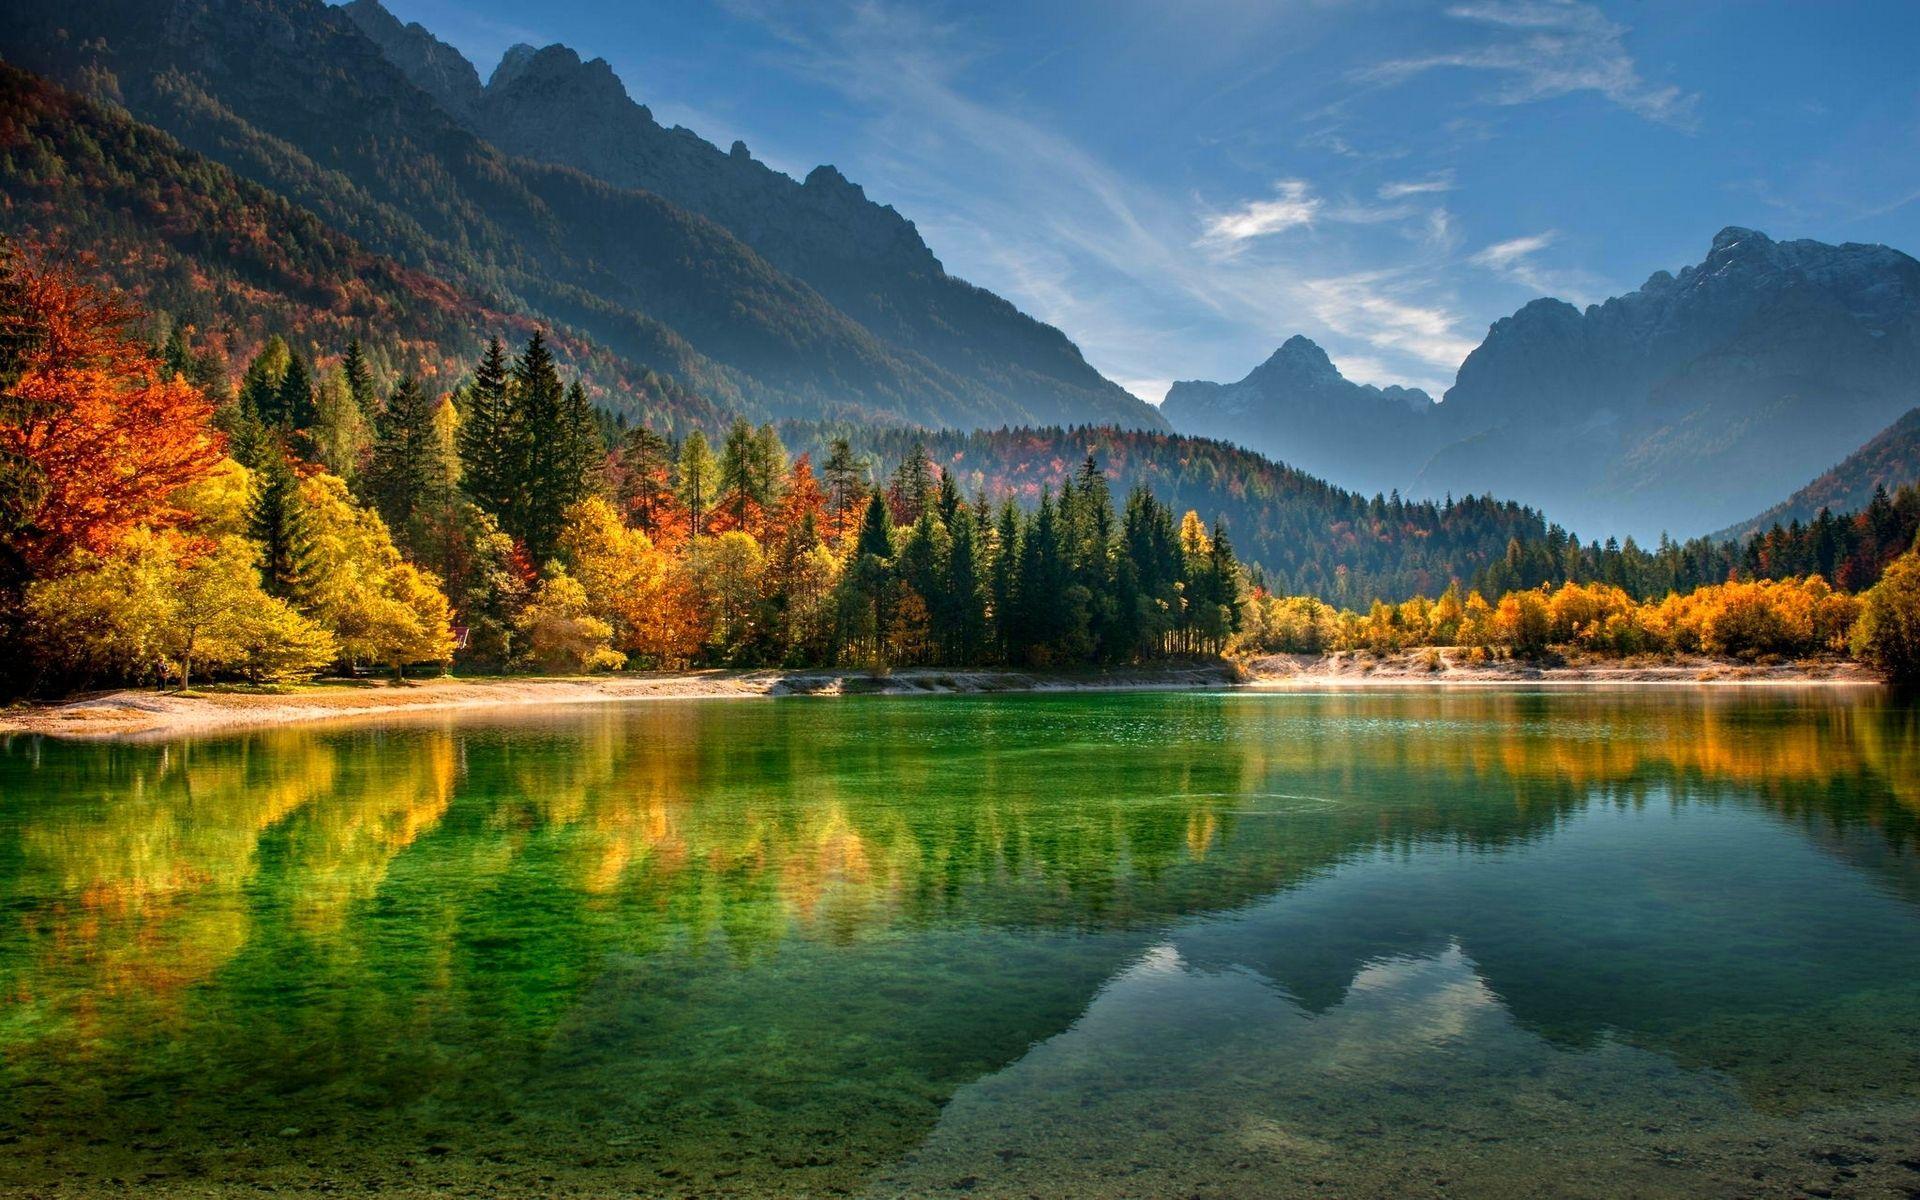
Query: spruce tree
point(359, 379)
point(845, 474)
point(645, 479)
point(293, 401)
point(491, 440)
point(737, 474)
point(912, 487)
point(276, 521)
point(407, 473)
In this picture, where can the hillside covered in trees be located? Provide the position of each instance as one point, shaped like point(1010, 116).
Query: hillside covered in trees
point(1888, 463)
point(292, 96)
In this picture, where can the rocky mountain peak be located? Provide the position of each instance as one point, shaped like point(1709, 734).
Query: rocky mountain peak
point(1302, 358)
point(558, 68)
point(428, 63)
point(1734, 236)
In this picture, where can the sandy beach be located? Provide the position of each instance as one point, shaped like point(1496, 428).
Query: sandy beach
point(145, 713)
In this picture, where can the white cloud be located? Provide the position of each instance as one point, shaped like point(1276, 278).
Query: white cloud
point(1549, 48)
point(1506, 256)
point(1401, 188)
point(1293, 206)
point(1110, 258)
point(1376, 308)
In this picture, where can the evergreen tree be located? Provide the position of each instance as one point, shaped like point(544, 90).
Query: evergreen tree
point(276, 521)
point(293, 400)
point(561, 448)
point(1004, 582)
point(408, 472)
point(359, 379)
point(646, 488)
point(845, 474)
point(962, 592)
point(912, 488)
point(738, 474)
point(876, 530)
point(492, 440)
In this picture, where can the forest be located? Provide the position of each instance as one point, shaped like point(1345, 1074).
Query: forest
point(165, 523)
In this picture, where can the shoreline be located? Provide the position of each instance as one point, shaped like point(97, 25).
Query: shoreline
point(140, 715)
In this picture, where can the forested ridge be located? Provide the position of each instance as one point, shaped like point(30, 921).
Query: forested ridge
point(162, 519)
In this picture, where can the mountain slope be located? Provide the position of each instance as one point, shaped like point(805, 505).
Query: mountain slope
point(1891, 461)
point(237, 263)
point(865, 258)
point(291, 95)
point(1686, 404)
point(1298, 408)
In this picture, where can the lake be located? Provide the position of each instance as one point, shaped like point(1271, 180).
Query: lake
point(1447, 943)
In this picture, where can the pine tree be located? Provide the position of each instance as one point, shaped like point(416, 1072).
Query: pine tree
point(876, 530)
point(408, 472)
point(293, 402)
point(276, 522)
point(845, 474)
point(646, 488)
point(359, 379)
point(561, 449)
point(912, 488)
point(962, 592)
point(1003, 581)
point(492, 441)
point(736, 482)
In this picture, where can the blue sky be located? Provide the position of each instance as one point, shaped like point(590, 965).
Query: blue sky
point(1181, 186)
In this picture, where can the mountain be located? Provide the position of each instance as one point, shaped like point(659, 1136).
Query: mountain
point(1683, 406)
point(1297, 407)
point(1686, 404)
point(292, 96)
point(1890, 461)
point(865, 258)
point(232, 263)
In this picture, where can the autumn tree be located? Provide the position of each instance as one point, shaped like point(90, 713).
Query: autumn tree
point(560, 634)
point(93, 442)
point(160, 603)
point(1888, 633)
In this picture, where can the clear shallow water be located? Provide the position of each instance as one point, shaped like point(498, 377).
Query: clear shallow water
point(1474, 943)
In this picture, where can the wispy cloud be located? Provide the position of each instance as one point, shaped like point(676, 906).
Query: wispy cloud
point(1517, 260)
point(1376, 308)
point(1108, 257)
point(1549, 48)
point(1399, 189)
point(1505, 256)
point(1292, 206)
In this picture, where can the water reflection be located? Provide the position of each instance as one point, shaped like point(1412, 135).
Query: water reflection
point(783, 944)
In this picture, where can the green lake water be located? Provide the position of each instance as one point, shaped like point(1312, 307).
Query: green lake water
point(1421, 943)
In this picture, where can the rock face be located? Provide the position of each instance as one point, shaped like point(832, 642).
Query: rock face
point(865, 258)
point(1683, 407)
point(1693, 401)
point(1297, 407)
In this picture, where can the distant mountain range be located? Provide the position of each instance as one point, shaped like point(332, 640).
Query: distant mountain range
point(1297, 407)
point(724, 279)
point(1684, 406)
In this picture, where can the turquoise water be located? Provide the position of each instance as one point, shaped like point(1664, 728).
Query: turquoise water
point(1660, 943)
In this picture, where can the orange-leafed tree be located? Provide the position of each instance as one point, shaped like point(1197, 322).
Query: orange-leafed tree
point(93, 442)
point(801, 498)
